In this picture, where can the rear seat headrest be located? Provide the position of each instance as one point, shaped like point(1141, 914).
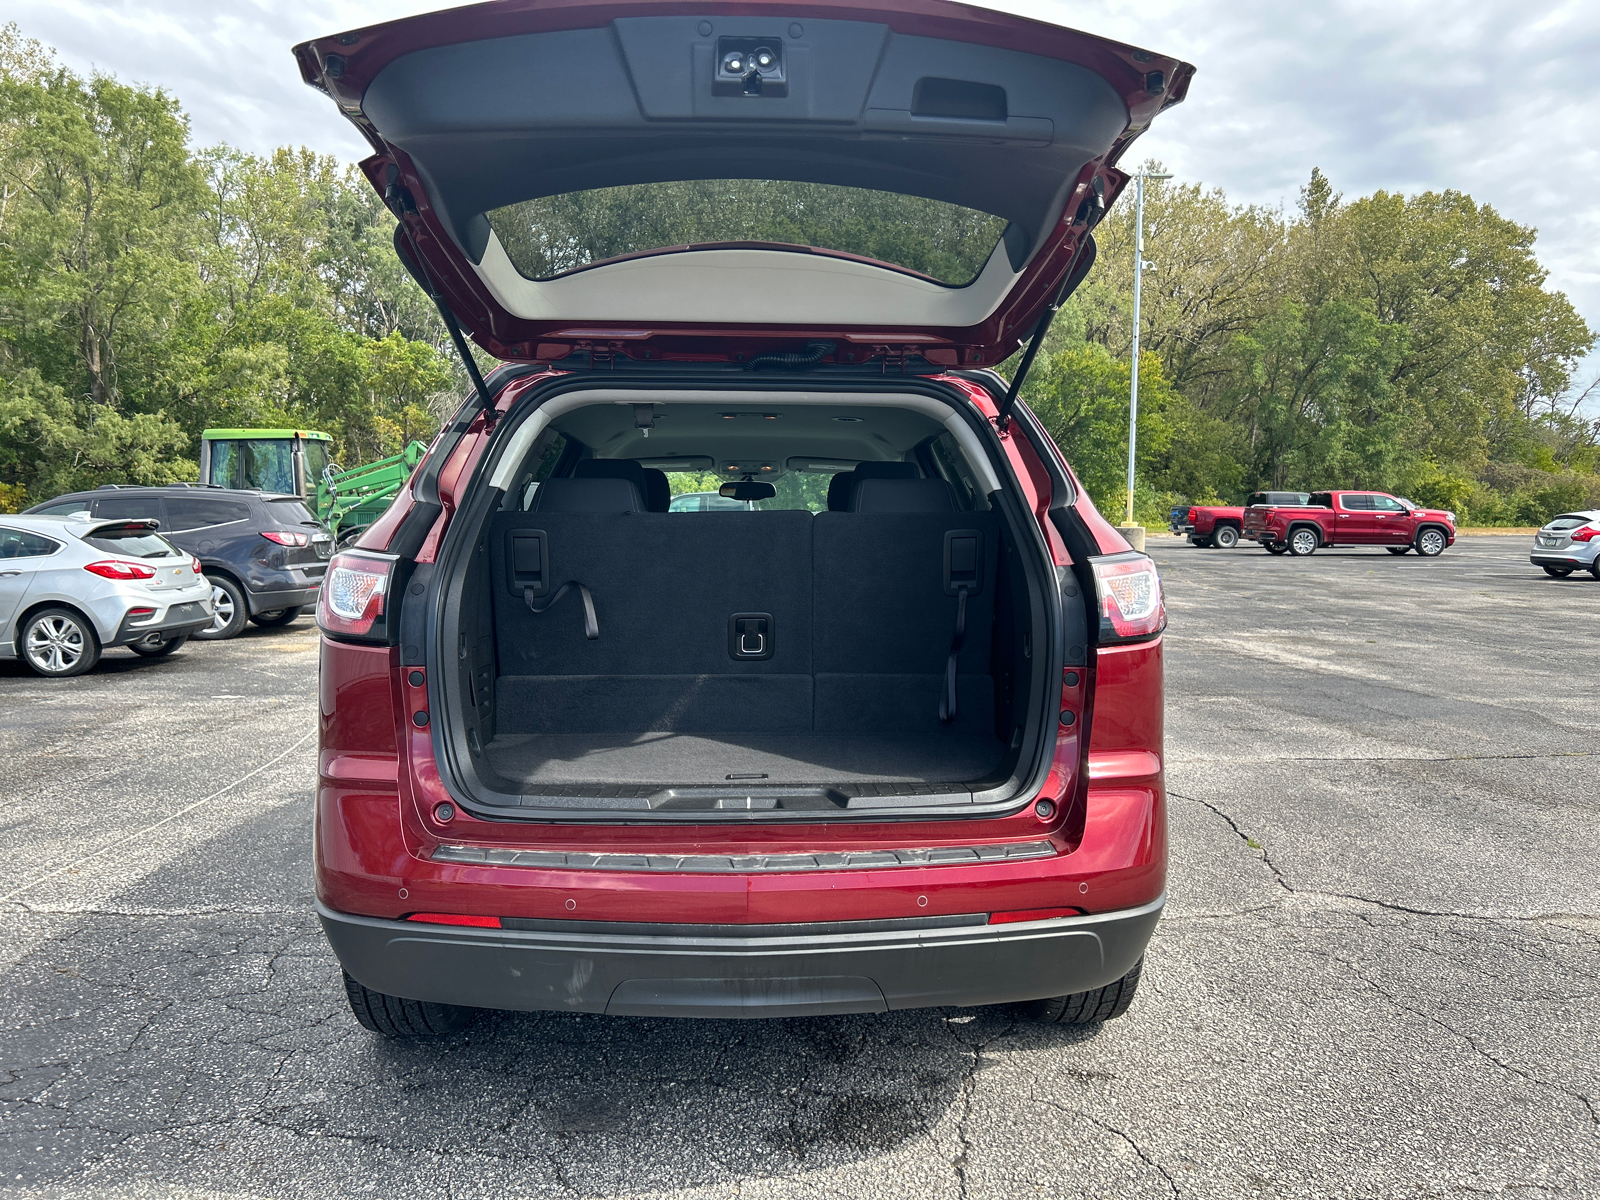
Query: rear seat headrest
point(842, 487)
point(588, 496)
point(903, 496)
point(653, 487)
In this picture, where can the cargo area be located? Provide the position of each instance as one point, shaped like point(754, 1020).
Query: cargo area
point(879, 647)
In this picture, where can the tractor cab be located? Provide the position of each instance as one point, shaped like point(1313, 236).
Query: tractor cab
point(286, 461)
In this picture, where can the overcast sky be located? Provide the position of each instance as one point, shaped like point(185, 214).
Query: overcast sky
point(1492, 97)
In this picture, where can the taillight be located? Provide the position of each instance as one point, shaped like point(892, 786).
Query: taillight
point(285, 537)
point(455, 919)
point(1129, 594)
point(1586, 533)
point(1193, 516)
point(194, 565)
point(354, 593)
point(112, 568)
point(139, 614)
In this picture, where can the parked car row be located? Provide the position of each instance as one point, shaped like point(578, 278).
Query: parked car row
point(1301, 523)
point(84, 572)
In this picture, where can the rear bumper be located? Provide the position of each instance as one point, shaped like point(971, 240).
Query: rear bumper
point(1579, 558)
point(272, 601)
point(182, 618)
point(717, 971)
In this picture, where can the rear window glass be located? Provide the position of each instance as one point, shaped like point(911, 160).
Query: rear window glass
point(197, 513)
point(132, 543)
point(1285, 498)
point(65, 508)
point(15, 543)
point(1320, 500)
point(1561, 523)
point(293, 511)
point(556, 234)
point(137, 505)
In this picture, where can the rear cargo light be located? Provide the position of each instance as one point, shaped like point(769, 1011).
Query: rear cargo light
point(351, 603)
point(1031, 914)
point(455, 919)
point(111, 568)
point(1129, 592)
point(1586, 534)
point(286, 538)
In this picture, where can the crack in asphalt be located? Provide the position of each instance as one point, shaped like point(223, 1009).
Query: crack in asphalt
point(1289, 889)
point(1472, 1042)
point(967, 1086)
point(1145, 1156)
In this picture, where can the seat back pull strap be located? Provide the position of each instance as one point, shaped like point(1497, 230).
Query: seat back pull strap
point(591, 625)
point(947, 702)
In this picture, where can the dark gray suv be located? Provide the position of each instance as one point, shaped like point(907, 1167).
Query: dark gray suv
point(264, 554)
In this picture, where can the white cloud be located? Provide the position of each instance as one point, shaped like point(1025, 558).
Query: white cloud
point(1484, 96)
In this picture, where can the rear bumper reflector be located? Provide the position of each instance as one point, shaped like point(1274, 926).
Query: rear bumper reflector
point(455, 919)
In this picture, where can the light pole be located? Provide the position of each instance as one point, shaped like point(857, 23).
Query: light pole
point(1139, 268)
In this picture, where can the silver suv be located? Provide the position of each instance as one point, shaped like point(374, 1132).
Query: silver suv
point(70, 588)
point(1568, 543)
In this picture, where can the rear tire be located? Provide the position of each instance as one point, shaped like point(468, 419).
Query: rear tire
point(58, 643)
point(170, 646)
point(1303, 542)
point(396, 1018)
point(1594, 568)
point(231, 611)
point(277, 617)
point(1087, 1008)
point(1560, 572)
point(1225, 537)
point(1275, 547)
point(1397, 550)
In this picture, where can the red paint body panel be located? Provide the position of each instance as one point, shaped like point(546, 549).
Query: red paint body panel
point(1344, 525)
point(1203, 518)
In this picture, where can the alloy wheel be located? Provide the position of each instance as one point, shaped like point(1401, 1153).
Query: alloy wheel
point(1430, 542)
point(1302, 542)
point(55, 644)
point(221, 609)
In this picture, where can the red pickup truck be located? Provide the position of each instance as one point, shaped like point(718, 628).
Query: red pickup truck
point(1350, 519)
point(1219, 525)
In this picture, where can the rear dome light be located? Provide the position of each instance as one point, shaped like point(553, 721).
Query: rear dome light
point(1585, 534)
point(351, 602)
point(285, 537)
point(1129, 594)
point(111, 568)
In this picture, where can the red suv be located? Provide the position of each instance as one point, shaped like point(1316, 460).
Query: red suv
point(887, 733)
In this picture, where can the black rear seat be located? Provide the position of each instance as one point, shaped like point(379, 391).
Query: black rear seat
point(862, 607)
point(665, 587)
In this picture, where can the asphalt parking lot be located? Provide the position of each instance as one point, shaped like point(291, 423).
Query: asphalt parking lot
point(1378, 975)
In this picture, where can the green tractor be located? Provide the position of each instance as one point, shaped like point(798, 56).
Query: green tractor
point(297, 462)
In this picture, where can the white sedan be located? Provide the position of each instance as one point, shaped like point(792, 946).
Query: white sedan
point(70, 587)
